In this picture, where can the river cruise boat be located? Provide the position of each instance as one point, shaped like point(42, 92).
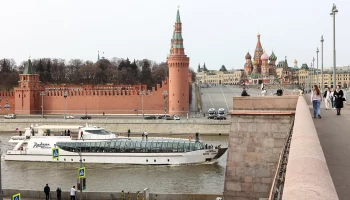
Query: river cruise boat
point(97, 145)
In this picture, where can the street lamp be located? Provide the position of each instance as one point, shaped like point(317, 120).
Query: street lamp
point(65, 104)
point(313, 71)
point(42, 94)
point(1, 195)
point(317, 69)
point(333, 12)
point(322, 40)
point(165, 94)
point(312, 77)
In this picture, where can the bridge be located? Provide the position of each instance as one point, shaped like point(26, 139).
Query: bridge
point(278, 151)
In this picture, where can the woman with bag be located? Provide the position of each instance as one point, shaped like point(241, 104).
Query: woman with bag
point(339, 98)
point(316, 99)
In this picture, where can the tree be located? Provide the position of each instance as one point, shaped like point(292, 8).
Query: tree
point(146, 75)
point(223, 68)
point(160, 72)
point(39, 69)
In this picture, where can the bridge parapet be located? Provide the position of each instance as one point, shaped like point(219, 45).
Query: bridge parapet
point(307, 174)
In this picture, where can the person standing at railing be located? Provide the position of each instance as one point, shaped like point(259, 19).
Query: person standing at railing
point(316, 99)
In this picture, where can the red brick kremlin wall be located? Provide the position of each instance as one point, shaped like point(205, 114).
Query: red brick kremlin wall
point(96, 101)
point(9, 96)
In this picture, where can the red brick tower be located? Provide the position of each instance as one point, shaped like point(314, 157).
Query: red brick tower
point(28, 91)
point(248, 67)
point(178, 64)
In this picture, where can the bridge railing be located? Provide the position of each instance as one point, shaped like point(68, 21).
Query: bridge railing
point(307, 174)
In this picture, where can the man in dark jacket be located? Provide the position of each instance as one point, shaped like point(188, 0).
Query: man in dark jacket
point(59, 192)
point(47, 191)
point(244, 93)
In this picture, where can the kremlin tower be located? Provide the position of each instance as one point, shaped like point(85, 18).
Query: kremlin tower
point(178, 64)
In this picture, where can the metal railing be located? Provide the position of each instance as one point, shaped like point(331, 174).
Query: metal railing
point(278, 183)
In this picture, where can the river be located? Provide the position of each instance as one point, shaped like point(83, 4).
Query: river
point(200, 178)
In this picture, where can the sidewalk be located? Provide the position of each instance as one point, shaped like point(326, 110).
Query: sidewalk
point(334, 135)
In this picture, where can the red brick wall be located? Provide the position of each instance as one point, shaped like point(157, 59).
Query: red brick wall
point(107, 101)
point(11, 100)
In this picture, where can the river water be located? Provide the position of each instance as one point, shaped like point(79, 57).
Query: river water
point(200, 178)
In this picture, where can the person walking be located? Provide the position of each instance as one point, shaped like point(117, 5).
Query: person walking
point(81, 135)
point(47, 192)
point(244, 93)
point(332, 98)
point(146, 134)
point(339, 98)
point(59, 193)
point(128, 132)
point(72, 193)
point(316, 99)
point(327, 97)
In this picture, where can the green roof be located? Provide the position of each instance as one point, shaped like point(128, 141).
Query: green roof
point(28, 68)
point(273, 56)
point(178, 20)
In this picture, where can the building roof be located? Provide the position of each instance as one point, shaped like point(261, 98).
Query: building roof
point(265, 56)
point(273, 57)
point(255, 62)
point(28, 68)
point(304, 66)
point(248, 56)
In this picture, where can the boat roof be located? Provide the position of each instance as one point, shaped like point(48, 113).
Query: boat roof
point(58, 127)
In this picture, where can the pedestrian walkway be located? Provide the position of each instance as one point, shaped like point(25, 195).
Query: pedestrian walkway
point(334, 134)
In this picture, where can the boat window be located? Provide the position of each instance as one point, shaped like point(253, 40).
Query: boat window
point(132, 146)
point(98, 132)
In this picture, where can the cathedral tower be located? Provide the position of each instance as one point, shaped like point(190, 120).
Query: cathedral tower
point(28, 91)
point(178, 64)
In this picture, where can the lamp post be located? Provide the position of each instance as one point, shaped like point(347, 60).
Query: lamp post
point(334, 11)
point(65, 104)
point(81, 180)
point(1, 195)
point(165, 93)
point(322, 81)
point(311, 77)
point(42, 94)
point(313, 71)
point(318, 83)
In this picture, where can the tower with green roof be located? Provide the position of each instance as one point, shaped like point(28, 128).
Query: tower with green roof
point(178, 63)
point(27, 93)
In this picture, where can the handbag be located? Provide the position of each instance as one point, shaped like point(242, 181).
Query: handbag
point(344, 99)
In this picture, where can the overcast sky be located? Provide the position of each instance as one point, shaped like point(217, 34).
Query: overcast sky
point(215, 32)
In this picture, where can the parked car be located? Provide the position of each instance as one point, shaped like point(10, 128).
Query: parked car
point(176, 117)
point(163, 116)
point(10, 116)
point(69, 117)
point(220, 117)
point(150, 117)
point(85, 117)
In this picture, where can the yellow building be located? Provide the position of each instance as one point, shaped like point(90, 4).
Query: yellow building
point(219, 77)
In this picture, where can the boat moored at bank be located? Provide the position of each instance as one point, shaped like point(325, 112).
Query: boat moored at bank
point(96, 145)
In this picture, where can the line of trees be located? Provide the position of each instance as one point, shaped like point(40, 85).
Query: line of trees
point(77, 71)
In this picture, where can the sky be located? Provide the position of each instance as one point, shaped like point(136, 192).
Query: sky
point(216, 33)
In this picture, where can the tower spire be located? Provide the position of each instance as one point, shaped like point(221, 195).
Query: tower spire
point(178, 20)
point(177, 47)
point(258, 50)
point(98, 55)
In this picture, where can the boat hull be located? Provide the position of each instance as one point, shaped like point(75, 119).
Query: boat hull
point(193, 157)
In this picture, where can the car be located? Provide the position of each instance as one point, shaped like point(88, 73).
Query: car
point(10, 116)
point(220, 117)
point(150, 117)
point(176, 117)
point(69, 117)
point(85, 117)
point(163, 116)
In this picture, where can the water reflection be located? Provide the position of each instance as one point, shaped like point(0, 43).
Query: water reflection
point(200, 178)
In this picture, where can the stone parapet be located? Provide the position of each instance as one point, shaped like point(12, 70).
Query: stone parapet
point(277, 103)
point(307, 175)
point(191, 126)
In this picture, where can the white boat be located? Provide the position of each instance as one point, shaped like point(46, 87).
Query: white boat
point(97, 145)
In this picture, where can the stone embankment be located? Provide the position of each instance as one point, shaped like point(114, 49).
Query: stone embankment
point(191, 126)
point(33, 194)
